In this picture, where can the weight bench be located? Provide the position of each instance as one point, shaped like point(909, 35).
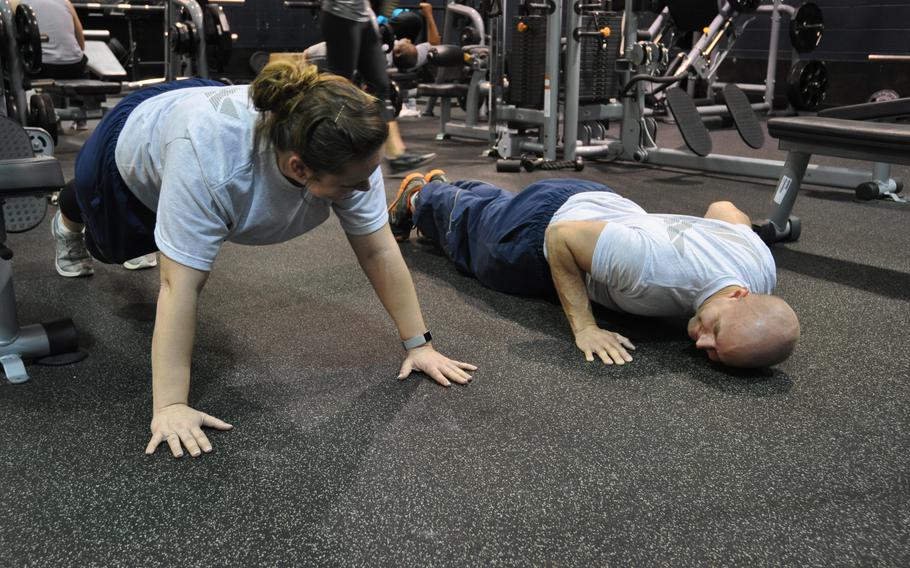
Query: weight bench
point(453, 62)
point(804, 136)
point(81, 99)
point(78, 99)
point(25, 180)
point(401, 84)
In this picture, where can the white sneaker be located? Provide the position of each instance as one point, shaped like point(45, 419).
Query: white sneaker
point(72, 259)
point(149, 260)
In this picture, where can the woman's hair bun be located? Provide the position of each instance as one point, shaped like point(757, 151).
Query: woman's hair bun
point(279, 83)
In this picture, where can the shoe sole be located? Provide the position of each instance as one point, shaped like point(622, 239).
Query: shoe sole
point(142, 266)
point(403, 194)
point(68, 274)
point(433, 173)
point(393, 170)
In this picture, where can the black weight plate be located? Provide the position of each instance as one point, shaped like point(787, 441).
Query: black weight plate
point(807, 27)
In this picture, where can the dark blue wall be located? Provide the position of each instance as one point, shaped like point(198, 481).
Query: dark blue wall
point(852, 30)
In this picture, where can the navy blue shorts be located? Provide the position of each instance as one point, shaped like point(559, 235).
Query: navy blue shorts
point(495, 235)
point(118, 226)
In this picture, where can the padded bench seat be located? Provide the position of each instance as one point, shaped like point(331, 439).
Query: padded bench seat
point(403, 77)
point(803, 137)
point(82, 87)
point(29, 175)
point(881, 141)
point(886, 111)
point(442, 90)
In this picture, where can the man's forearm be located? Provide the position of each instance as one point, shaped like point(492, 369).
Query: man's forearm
point(172, 347)
point(570, 285)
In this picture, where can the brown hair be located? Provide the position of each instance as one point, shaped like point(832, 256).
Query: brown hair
point(322, 117)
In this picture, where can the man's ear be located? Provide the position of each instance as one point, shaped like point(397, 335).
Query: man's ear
point(740, 293)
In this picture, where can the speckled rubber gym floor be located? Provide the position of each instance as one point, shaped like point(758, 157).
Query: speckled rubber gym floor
point(542, 460)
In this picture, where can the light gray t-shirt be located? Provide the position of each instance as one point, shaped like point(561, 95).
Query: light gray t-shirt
point(356, 10)
point(316, 54)
point(665, 265)
point(56, 21)
point(423, 48)
point(190, 156)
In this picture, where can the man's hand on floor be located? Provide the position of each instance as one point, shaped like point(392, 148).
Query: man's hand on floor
point(609, 346)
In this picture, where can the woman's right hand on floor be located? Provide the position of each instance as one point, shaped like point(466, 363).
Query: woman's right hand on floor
point(181, 426)
point(611, 347)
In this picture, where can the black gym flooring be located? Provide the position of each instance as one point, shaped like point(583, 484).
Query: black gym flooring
point(544, 459)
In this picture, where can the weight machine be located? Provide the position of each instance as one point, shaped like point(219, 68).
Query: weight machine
point(637, 63)
point(462, 75)
point(199, 39)
point(28, 173)
point(197, 35)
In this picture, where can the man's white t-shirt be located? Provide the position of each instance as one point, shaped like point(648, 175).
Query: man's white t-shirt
point(56, 21)
point(190, 155)
point(665, 265)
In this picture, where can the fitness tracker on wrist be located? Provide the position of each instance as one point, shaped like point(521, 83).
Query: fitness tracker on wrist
point(417, 341)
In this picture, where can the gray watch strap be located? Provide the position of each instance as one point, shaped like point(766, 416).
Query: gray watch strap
point(417, 341)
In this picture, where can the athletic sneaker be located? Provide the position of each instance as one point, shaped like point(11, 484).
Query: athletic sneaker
point(408, 161)
point(149, 260)
point(436, 175)
point(72, 259)
point(402, 207)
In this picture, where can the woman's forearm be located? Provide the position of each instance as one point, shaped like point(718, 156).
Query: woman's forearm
point(380, 258)
point(172, 347)
point(175, 331)
point(392, 281)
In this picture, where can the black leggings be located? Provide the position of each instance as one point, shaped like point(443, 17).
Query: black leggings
point(354, 46)
point(66, 200)
point(66, 71)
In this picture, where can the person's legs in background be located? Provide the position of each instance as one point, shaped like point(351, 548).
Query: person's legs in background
point(354, 45)
point(342, 44)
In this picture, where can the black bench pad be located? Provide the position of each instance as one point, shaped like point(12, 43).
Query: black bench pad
point(85, 87)
point(886, 110)
point(859, 135)
point(28, 175)
point(442, 90)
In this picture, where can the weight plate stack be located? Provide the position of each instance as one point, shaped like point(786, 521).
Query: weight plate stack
point(527, 62)
point(598, 56)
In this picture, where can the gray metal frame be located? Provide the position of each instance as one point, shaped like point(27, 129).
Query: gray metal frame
point(197, 67)
point(796, 170)
point(510, 145)
point(478, 88)
point(27, 341)
point(635, 145)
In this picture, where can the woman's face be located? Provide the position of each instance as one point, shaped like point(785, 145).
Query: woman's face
point(335, 186)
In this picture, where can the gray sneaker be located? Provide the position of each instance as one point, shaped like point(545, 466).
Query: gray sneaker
point(72, 259)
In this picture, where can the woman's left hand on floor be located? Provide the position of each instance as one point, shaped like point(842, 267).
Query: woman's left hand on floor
point(437, 366)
